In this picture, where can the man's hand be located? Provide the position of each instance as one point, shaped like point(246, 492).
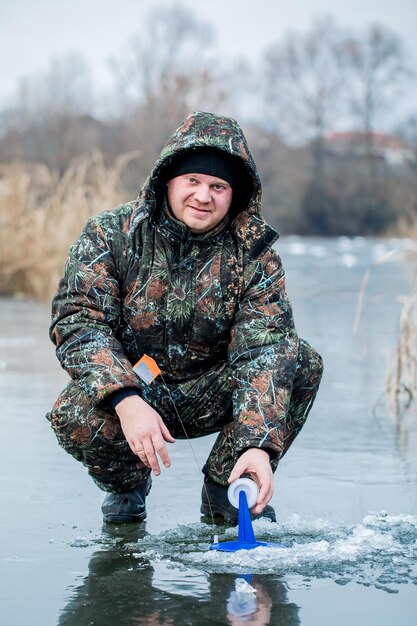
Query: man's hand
point(145, 432)
point(255, 462)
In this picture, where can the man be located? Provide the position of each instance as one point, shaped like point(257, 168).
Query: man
point(185, 274)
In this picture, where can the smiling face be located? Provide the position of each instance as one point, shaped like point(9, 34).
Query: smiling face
point(198, 200)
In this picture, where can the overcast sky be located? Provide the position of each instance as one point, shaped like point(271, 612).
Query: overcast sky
point(32, 32)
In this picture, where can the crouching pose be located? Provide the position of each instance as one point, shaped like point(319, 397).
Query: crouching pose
point(187, 275)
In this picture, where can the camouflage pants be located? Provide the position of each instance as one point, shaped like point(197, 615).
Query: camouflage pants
point(94, 436)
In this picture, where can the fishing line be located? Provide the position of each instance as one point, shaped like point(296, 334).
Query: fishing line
point(189, 443)
point(147, 369)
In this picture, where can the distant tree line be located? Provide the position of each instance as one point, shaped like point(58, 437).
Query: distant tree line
point(303, 87)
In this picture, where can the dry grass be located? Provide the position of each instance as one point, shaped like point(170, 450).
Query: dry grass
point(361, 295)
point(42, 213)
point(405, 228)
point(401, 383)
point(402, 373)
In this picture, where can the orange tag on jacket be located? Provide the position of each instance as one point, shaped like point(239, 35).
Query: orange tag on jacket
point(147, 369)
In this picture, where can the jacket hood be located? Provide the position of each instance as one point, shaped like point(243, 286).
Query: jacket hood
point(207, 130)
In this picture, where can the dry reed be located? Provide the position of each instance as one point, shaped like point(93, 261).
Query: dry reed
point(405, 228)
point(42, 213)
point(401, 384)
point(401, 381)
point(361, 295)
point(402, 374)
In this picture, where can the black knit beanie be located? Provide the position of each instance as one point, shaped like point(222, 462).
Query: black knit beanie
point(206, 161)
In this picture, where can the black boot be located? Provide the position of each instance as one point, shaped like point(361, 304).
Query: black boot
point(216, 495)
point(129, 506)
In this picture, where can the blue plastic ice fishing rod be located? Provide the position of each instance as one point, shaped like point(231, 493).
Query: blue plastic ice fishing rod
point(246, 539)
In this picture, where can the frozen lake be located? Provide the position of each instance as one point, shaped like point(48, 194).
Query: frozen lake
point(345, 494)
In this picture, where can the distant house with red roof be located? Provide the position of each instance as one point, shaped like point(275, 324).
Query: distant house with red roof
point(392, 150)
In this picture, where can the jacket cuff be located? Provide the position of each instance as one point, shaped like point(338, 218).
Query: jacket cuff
point(117, 396)
point(273, 453)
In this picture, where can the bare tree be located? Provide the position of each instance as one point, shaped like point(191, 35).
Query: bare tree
point(51, 117)
point(65, 88)
point(304, 82)
point(304, 79)
point(166, 72)
point(172, 42)
point(379, 71)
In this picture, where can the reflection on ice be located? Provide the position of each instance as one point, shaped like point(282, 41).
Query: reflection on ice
point(192, 583)
point(379, 551)
point(318, 251)
point(345, 243)
point(349, 251)
point(348, 260)
point(297, 248)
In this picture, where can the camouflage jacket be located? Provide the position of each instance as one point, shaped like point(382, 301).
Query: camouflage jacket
point(138, 282)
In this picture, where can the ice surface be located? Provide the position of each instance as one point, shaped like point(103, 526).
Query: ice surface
point(380, 550)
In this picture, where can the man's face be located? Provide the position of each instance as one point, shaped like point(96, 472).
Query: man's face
point(198, 200)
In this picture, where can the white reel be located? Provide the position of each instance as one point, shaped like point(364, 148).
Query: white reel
point(247, 485)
